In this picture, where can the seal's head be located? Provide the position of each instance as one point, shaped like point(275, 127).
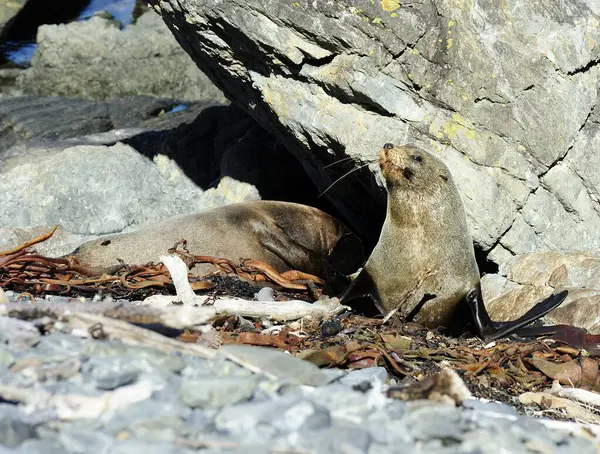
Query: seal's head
point(409, 168)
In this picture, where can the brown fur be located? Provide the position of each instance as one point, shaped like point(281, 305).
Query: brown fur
point(285, 235)
point(425, 233)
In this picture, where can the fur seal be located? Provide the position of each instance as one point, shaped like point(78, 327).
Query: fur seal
point(424, 263)
point(283, 234)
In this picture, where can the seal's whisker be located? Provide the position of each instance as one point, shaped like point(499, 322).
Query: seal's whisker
point(337, 162)
point(343, 176)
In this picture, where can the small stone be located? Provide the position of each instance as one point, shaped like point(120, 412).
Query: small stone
point(111, 373)
point(42, 446)
point(265, 294)
point(336, 439)
point(13, 429)
point(214, 392)
point(134, 446)
point(330, 328)
point(85, 441)
point(279, 364)
point(18, 334)
point(369, 375)
point(489, 407)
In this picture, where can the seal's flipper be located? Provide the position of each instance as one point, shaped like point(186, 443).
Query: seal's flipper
point(362, 295)
point(347, 255)
point(488, 330)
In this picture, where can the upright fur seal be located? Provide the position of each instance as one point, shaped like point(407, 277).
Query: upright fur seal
point(282, 234)
point(424, 263)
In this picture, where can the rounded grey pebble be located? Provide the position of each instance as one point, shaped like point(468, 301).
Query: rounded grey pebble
point(370, 375)
point(13, 429)
point(110, 373)
point(216, 393)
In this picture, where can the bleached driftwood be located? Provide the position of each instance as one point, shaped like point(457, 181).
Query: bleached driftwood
point(580, 395)
point(133, 335)
point(571, 408)
point(178, 317)
point(274, 310)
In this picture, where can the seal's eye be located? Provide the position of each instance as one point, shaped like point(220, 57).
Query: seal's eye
point(408, 173)
point(388, 146)
point(444, 177)
point(105, 243)
point(417, 158)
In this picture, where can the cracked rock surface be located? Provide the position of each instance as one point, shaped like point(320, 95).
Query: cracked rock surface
point(528, 278)
point(506, 96)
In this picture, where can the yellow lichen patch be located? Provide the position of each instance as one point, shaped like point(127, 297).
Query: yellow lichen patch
point(451, 23)
point(393, 15)
point(377, 20)
point(449, 43)
point(296, 4)
point(390, 5)
point(454, 128)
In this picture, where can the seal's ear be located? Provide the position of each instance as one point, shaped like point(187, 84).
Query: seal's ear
point(347, 255)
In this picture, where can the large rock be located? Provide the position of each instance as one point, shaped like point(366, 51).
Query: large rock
point(96, 59)
point(25, 118)
point(99, 189)
point(8, 10)
point(528, 278)
point(505, 95)
point(61, 162)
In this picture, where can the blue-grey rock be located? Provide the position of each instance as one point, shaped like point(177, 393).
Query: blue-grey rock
point(150, 420)
point(281, 365)
point(136, 446)
point(41, 446)
point(434, 421)
point(13, 427)
point(370, 375)
point(18, 334)
point(111, 373)
point(343, 402)
point(336, 439)
point(61, 344)
point(216, 393)
point(492, 407)
point(85, 441)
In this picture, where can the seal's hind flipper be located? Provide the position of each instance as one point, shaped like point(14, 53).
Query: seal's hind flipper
point(489, 330)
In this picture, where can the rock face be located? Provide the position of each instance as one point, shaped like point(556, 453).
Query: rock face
point(95, 59)
point(114, 187)
point(528, 278)
point(99, 167)
point(8, 10)
point(506, 96)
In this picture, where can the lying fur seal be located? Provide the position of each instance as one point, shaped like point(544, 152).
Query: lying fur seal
point(424, 263)
point(284, 235)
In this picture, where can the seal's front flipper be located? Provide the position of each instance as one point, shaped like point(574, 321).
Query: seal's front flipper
point(362, 295)
point(488, 330)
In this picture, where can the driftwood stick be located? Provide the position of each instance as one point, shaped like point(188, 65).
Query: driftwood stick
point(274, 310)
point(178, 317)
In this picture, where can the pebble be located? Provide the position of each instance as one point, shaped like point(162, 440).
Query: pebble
point(218, 406)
